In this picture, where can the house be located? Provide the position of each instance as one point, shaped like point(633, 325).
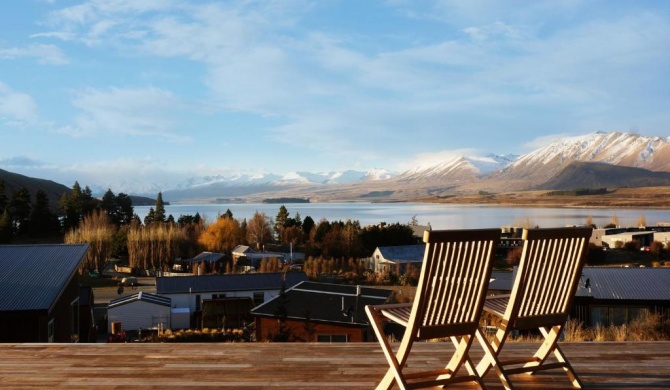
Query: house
point(246, 258)
point(615, 296)
point(319, 312)
point(208, 262)
point(87, 329)
point(40, 293)
point(643, 237)
point(139, 311)
point(189, 292)
point(397, 258)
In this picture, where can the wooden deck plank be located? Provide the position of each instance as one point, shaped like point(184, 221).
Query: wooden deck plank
point(632, 365)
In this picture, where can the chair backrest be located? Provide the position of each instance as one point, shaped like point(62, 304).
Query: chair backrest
point(547, 276)
point(453, 281)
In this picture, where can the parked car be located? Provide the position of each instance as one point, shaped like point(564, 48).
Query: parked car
point(129, 281)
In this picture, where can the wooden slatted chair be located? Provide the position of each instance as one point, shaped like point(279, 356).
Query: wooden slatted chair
point(448, 303)
point(545, 284)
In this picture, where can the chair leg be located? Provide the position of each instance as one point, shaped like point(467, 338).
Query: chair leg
point(550, 345)
point(396, 361)
point(490, 359)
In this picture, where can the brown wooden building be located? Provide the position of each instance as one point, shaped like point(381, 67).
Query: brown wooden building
point(39, 293)
point(319, 312)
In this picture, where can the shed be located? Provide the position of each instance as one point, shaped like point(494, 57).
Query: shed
point(40, 292)
point(387, 258)
point(140, 310)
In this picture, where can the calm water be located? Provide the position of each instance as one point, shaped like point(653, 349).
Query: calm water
point(438, 216)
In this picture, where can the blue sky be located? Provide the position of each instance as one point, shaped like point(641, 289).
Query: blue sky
point(115, 92)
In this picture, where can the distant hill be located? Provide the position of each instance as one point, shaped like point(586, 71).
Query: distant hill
point(14, 182)
point(579, 174)
point(144, 201)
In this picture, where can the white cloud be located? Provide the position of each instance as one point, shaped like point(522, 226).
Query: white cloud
point(16, 108)
point(45, 54)
point(143, 112)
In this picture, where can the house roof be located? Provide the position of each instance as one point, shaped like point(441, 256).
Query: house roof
point(227, 282)
point(242, 249)
point(140, 296)
point(651, 284)
point(324, 302)
point(403, 253)
point(32, 277)
point(207, 256)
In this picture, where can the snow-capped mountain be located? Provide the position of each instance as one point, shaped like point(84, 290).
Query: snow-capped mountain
point(464, 173)
point(457, 168)
point(616, 148)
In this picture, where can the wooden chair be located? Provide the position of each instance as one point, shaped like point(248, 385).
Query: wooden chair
point(545, 284)
point(448, 303)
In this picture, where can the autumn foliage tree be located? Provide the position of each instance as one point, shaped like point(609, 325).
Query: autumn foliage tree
point(258, 230)
point(96, 230)
point(222, 235)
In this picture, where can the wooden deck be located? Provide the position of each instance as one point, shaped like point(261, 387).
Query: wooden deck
point(639, 365)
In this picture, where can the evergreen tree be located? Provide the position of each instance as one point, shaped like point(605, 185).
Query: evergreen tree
point(5, 228)
point(307, 225)
point(19, 210)
point(159, 213)
point(3, 196)
point(228, 214)
point(150, 217)
point(125, 208)
point(280, 221)
point(43, 221)
point(109, 205)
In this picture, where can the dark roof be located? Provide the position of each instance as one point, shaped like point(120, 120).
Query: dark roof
point(32, 277)
point(141, 296)
point(228, 282)
point(207, 256)
point(651, 284)
point(323, 302)
point(403, 253)
point(501, 281)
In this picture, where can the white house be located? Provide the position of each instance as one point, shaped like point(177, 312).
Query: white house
point(387, 258)
point(141, 310)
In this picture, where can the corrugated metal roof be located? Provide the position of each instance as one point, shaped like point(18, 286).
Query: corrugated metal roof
point(141, 296)
point(228, 282)
point(403, 253)
point(626, 283)
point(207, 256)
point(325, 302)
point(33, 276)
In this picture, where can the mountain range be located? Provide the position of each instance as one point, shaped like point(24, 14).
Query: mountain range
point(595, 160)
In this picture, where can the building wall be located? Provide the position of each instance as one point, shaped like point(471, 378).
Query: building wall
point(265, 325)
point(189, 300)
point(139, 314)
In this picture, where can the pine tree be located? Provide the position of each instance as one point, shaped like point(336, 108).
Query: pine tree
point(159, 213)
point(43, 221)
point(19, 207)
point(5, 228)
point(3, 196)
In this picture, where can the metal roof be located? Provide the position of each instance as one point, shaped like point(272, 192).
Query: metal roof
point(207, 256)
point(141, 296)
point(651, 284)
point(32, 277)
point(324, 302)
point(403, 253)
point(227, 282)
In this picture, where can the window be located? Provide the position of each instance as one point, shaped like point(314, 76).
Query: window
point(332, 338)
point(259, 297)
point(616, 315)
point(50, 331)
point(74, 321)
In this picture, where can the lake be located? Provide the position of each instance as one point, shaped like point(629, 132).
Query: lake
point(439, 216)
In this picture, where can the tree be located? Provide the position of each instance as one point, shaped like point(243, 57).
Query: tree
point(221, 236)
point(3, 196)
point(150, 217)
point(280, 221)
point(43, 221)
point(228, 214)
point(76, 205)
point(96, 230)
point(5, 228)
point(258, 230)
point(125, 209)
point(159, 215)
point(307, 225)
point(19, 210)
